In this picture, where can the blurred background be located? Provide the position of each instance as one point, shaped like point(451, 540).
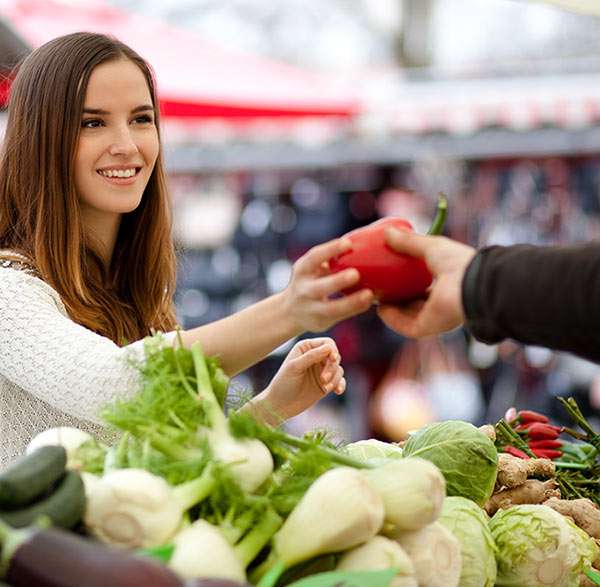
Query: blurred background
point(289, 123)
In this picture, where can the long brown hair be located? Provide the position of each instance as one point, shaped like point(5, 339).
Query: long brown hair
point(39, 210)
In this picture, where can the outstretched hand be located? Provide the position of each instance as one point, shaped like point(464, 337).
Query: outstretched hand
point(310, 371)
point(308, 293)
point(442, 308)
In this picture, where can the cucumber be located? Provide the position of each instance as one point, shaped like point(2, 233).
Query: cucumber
point(30, 476)
point(65, 506)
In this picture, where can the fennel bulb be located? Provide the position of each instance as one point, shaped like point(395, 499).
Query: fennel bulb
point(435, 554)
point(250, 461)
point(201, 550)
point(380, 553)
point(133, 508)
point(412, 490)
point(340, 510)
point(66, 436)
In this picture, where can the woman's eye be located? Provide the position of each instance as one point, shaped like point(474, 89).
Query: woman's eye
point(91, 123)
point(144, 119)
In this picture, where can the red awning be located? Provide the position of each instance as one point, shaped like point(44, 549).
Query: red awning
point(196, 79)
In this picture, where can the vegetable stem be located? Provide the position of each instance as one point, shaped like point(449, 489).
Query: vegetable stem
point(440, 216)
point(215, 414)
point(271, 578)
point(512, 438)
point(192, 492)
point(234, 530)
point(564, 465)
point(247, 548)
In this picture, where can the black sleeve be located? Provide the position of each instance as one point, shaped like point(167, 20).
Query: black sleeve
point(545, 296)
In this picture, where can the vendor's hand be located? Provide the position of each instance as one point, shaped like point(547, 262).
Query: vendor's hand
point(310, 371)
point(442, 309)
point(307, 296)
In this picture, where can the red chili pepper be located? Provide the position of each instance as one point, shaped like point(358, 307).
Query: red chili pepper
point(539, 431)
point(526, 416)
point(545, 444)
point(546, 453)
point(393, 277)
point(515, 452)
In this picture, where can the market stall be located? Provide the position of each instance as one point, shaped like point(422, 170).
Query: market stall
point(206, 92)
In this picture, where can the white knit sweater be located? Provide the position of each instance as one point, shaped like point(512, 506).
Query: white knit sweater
point(53, 372)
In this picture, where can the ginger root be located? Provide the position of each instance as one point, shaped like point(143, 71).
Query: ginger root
point(583, 512)
point(513, 471)
point(531, 491)
point(489, 431)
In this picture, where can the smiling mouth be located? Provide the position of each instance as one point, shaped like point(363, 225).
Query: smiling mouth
point(117, 174)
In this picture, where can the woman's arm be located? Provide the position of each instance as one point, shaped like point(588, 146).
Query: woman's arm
point(244, 338)
point(54, 359)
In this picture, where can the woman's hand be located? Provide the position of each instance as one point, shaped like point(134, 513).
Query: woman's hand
point(307, 296)
point(442, 310)
point(310, 371)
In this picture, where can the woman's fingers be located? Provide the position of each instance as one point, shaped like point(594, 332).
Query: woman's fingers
point(336, 380)
point(334, 283)
point(311, 357)
point(312, 262)
point(349, 305)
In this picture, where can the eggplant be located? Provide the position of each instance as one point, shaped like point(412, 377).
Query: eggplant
point(35, 557)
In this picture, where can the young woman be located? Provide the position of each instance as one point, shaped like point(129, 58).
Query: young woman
point(87, 265)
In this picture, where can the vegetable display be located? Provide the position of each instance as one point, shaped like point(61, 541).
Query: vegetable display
point(196, 493)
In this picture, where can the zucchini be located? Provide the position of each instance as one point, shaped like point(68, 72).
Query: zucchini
point(65, 506)
point(30, 476)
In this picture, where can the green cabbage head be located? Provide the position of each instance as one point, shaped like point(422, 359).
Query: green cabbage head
point(466, 457)
point(373, 451)
point(538, 547)
point(469, 523)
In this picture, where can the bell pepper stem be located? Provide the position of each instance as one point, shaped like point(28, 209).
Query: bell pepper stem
point(440, 216)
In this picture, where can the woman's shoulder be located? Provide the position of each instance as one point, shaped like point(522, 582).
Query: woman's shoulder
point(10, 259)
point(20, 280)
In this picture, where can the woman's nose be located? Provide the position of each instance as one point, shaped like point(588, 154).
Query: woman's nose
point(123, 143)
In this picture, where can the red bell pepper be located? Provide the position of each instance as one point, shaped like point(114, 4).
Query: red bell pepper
point(392, 276)
point(515, 452)
point(526, 416)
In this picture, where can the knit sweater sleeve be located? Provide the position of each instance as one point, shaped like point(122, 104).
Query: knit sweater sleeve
point(53, 358)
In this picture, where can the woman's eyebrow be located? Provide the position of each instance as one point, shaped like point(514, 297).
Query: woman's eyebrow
point(100, 111)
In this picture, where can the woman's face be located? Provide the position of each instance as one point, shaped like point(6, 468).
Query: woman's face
point(118, 141)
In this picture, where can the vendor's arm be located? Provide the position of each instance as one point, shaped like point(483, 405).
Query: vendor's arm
point(547, 296)
point(543, 296)
point(244, 338)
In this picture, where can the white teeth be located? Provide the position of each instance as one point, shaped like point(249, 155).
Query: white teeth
point(117, 172)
